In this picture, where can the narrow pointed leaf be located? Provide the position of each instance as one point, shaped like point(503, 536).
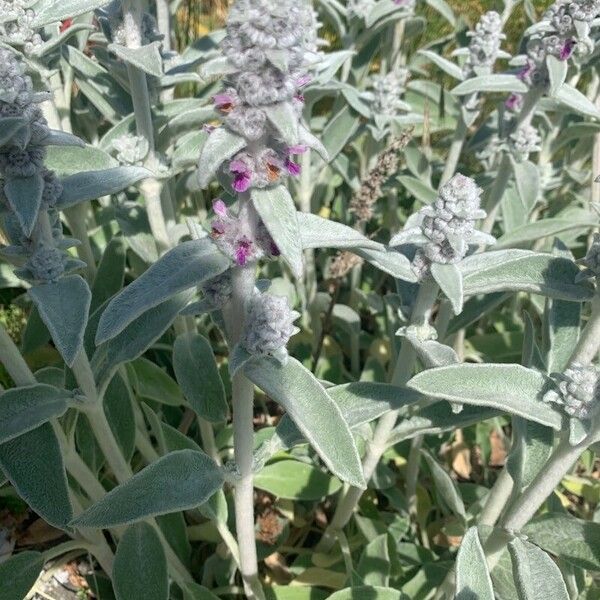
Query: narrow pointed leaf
point(179, 480)
point(490, 83)
point(147, 58)
point(19, 573)
point(446, 487)
point(24, 196)
point(183, 267)
point(312, 410)
point(510, 388)
point(284, 118)
point(140, 568)
point(473, 580)
point(64, 307)
point(221, 145)
point(449, 278)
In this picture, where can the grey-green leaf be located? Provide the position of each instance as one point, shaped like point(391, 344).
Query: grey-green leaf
point(183, 267)
point(445, 486)
point(490, 83)
point(473, 580)
point(180, 480)
point(317, 416)
point(25, 408)
point(197, 374)
point(510, 388)
point(140, 567)
point(24, 196)
point(53, 11)
point(278, 212)
point(284, 118)
point(536, 575)
point(64, 307)
point(449, 278)
point(147, 58)
point(221, 145)
point(19, 573)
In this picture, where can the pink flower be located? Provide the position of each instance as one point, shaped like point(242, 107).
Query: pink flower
point(242, 175)
point(297, 149)
point(292, 168)
point(525, 73)
point(303, 80)
point(220, 207)
point(224, 102)
point(243, 251)
point(514, 102)
point(567, 49)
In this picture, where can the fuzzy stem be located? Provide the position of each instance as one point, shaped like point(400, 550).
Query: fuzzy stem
point(209, 444)
point(458, 140)
point(497, 498)
point(13, 362)
point(403, 370)
point(589, 341)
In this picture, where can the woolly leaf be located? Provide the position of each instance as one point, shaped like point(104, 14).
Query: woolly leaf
point(90, 185)
point(183, 267)
point(10, 126)
point(24, 196)
point(374, 566)
point(490, 83)
point(197, 374)
point(389, 261)
point(284, 118)
point(25, 408)
point(111, 273)
point(140, 568)
point(64, 307)
point(446, 65)
point(152, 382)
point(53, 11)
point(511, 388)
point(221, 145)
point(179, 480)
point(370, 592)
point(527, 180)
point(19, 573)
point(473, 580)
point(278, 212)
point(536, 575)
point(312, 410)
point(36, 457)
point(446, 487)
point(573, 99)
point(317, 232)
point(147, 58)
point(449, 278)
point(557, 71)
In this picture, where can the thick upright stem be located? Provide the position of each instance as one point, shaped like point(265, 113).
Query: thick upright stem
point(497, 498)
point(456, 147)
point(402, 373)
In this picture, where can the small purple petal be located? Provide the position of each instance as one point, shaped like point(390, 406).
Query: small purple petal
point(303, 80)
point(567, 50)
point(241, 182)
point(297, 149)
point(239, 166)
point(292, 168)
point(242, 252)
point(220, 207)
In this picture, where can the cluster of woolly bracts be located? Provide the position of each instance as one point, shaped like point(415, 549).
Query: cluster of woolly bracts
point(525, 140)
point(387, 91)
point(16, 19)
point(270, 46)
point(268, 325)
point(243, 238)
point(578, 391)
point(484, 46)
point(446, 228)
point(111, 20)
point(563, 31)
point(39, 250)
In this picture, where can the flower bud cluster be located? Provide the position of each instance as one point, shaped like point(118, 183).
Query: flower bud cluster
point(111, 19)
point(524, 141)
point(38, 252)
point(563, 31)
point(578, 391)
point(268, 45)
point(269, 324)
point(485, 44)
point(218, 290)
point(244, 238)
point(387, 92)
point(15, 25)
point(130, 149)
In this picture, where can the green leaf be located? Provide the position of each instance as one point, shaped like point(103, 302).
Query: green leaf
point(574, 540)
point(449, 278)
point(562, 326)
point(573, 99)
point(522, 271)
point(446, 487)
point(198, 375)
point(374, 566)
point(9, 126)
point(473, 580)
point(221, 145)
point(368, 593)
point(32, 458)
point(278, 212)
point(339, 131)
point(140, 568)
point(154, 383)
point(527, 234)
point(418, 188)
point(19, 573)
point(146, 58)
point(52, 11)
point(111, 273)
point(70, 160)
point(446, 65)
point(389, 261)
point(490, 83)
point(527, 181)
point(284, 118)
point(137, 337)
point(193, 591)
point(24, 195)
point(312, 410)
point(90, 185)
point(179, 480)
point(293, 480)
point(188, 264)
point(510, 388)
point(316, 232)
point(119, 413)
point(536, 575)
point(25, 408)
point(64, 307)
point(557, 71)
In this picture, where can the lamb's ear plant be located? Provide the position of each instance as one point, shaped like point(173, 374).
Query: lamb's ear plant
point(306, 307)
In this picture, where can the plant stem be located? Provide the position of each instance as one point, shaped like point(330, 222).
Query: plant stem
point(456, 146)
point(403, 370)
point(497, 498)
point(496, 192)
point(13, 362)
point(589, 341)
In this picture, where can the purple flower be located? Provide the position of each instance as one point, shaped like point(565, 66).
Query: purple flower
point(220, 207)
point(514, 102)
point(525, 73)
point(224, 102)
point(242, 175)
point(567, 49)
point(294, 168)
point(243, 251)
point(303, 80)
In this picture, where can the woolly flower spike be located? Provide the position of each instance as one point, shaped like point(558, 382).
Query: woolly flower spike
point(388, 90)
point(15, 27)
point(485, 44)
point(269, 324)
point(447, 227)
point(591, 261)
point(243, 240)
point(46, 264)
point(524, 141)
point(218, 290)
point(578, 391)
